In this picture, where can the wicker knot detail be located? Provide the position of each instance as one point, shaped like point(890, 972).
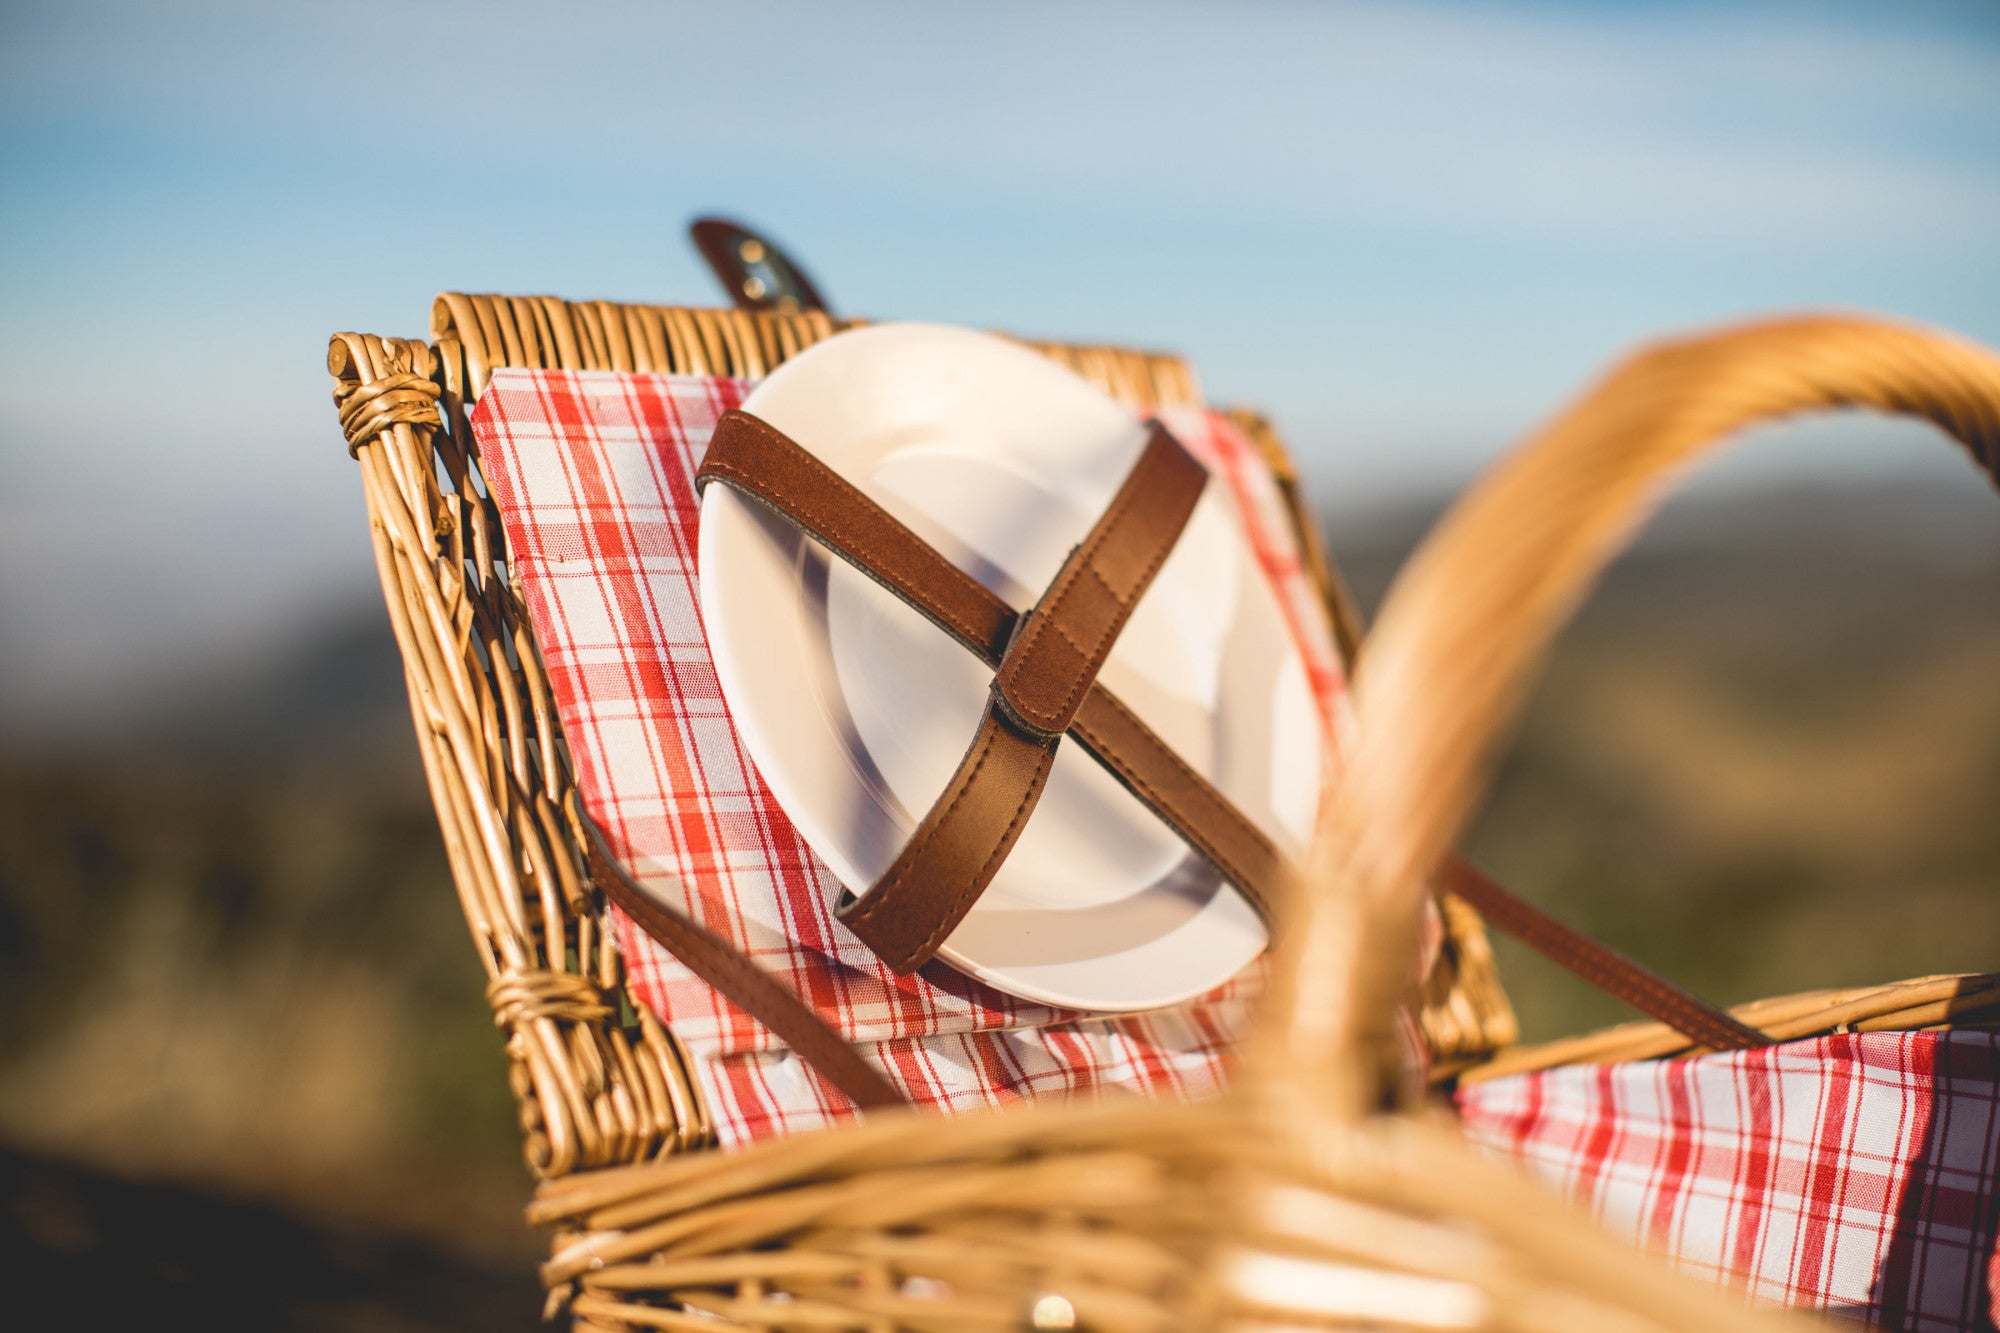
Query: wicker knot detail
point(366, 410)
point(520, 996)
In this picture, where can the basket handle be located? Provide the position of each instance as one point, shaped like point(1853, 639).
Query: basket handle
point(1468, 620)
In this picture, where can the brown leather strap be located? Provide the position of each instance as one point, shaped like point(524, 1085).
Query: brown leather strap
point(956, 850)
point(1599, 964)
point(1042, 679)
point(762, 464)
point(754, 990)
point(765, 466)
point(1059, 651)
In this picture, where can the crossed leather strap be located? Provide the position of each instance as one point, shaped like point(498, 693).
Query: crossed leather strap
point(1044, 687)
point(1045, 664)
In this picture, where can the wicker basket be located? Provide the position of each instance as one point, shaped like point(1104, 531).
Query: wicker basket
point(1291, 1202)
point(599, 1081)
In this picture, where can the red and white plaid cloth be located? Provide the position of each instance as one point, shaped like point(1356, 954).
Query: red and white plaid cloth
point(594, 475)
point(1855, 1173)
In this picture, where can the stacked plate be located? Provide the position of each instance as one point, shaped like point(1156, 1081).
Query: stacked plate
point(856, 709)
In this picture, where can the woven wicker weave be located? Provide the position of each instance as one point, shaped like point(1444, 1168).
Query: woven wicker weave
point(1291, 1202)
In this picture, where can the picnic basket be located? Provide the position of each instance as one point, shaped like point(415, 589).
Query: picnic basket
point(1297, 1200)
point(600, 1082)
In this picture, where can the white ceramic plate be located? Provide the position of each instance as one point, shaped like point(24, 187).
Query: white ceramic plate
point(856, 709)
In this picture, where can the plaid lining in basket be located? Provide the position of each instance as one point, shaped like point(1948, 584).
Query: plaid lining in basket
point(594, 475)
point(1858, 1173)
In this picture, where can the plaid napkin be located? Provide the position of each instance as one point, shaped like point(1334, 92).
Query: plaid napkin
point(594, 475)
point(1858, 1172)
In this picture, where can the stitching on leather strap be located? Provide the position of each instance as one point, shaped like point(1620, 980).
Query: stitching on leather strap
point(862, 557)
point(870, 907)
point(1030, 796)
point(862, 915)
point(1176, 814)
point(1020, 653)
point(1083, 564)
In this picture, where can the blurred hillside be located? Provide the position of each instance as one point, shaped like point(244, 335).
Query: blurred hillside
point(246, 1038)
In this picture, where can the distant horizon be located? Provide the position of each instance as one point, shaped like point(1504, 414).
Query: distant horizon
point(1936, 522)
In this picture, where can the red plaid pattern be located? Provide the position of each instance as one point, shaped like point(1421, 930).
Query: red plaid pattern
point(1855, 1173)
point(594, 476)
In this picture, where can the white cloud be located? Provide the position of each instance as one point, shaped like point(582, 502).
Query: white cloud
point(1758, 126)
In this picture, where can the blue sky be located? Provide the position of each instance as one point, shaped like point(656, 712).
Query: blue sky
point(1405, 230)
